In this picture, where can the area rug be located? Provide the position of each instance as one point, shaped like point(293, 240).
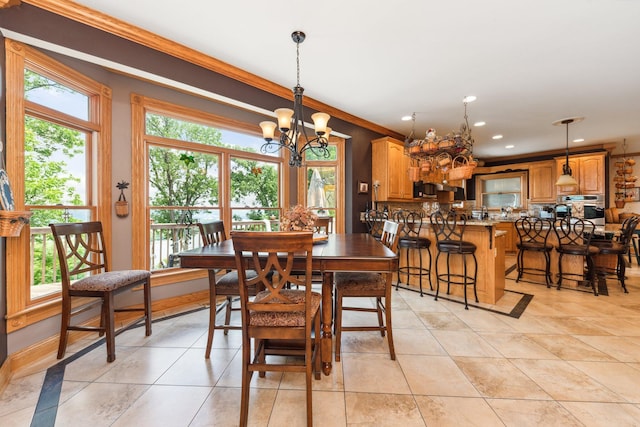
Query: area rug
point(512, 304)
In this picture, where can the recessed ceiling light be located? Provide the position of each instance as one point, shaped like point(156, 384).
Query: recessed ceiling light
point(469, 98)
point(478, 124)
point(579, 140)
point(509, 147)
point(406, 118)
point(496, 137)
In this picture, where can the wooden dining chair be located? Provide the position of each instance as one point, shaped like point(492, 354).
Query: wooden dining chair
point(323, 225)
point(227, 285)
point(367, 284)
point(85, 273)
point(278, 319)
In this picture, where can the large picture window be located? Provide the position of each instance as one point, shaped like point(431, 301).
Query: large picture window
point(196, 168)
point(58, 155)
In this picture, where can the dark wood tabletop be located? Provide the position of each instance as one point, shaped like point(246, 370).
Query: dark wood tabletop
point(340, 252)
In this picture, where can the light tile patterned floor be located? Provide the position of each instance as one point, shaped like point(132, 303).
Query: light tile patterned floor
point(570, 359)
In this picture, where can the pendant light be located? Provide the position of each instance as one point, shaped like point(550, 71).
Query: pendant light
point(293, 136)
point(566, 179)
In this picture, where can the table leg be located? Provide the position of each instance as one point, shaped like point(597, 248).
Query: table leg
point(327, 321)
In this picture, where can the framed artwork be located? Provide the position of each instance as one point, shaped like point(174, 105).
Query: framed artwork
point(363, 187)
point(634, 193)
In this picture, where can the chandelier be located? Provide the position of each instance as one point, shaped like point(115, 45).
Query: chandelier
point(293, 136)
point(566, 178)
point(441, 157)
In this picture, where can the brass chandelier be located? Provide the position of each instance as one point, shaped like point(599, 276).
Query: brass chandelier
point(293, 135)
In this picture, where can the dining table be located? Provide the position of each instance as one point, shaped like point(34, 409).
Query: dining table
point(338, 252)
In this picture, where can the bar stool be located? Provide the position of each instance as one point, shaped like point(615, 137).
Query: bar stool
point(375, 222)
point(574, 238)
point(412, 243)
point(532, 236)
point(619, 248)
point(449, 233)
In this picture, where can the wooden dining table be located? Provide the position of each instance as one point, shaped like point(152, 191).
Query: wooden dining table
point(339, 252)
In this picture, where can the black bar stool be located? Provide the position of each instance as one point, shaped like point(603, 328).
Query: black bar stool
point(574, 238)
point(619, 248)
point(375, 222)
point(410, 242)
point(532, 237)
point(449, 233)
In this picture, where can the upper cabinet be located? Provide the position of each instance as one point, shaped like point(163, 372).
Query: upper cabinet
point(389, 167)
point(588, 170)
point(542, 182)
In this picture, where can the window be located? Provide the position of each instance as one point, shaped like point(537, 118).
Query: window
point(504, 190)
point(321, 183)
point(197, 167)
point(58, 159)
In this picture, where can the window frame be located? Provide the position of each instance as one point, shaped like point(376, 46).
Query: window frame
point(338, 164)
point(21, 310)
point(140, 105)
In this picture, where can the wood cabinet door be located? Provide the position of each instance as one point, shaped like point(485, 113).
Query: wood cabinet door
point(542, 182)
point(592, 175)
point(395, 162)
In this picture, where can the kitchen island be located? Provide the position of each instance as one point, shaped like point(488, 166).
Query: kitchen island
point(490, 244)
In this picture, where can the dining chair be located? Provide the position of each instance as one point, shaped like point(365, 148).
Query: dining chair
point(225, 286)
point(574, 238)
point(85, 273)
point(367, 284)
point(449, 230)
point(323, 225)
point(278, 319)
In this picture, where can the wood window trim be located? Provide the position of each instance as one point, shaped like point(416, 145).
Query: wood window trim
point(140, 105)
point(339, 143)
point(21, 312)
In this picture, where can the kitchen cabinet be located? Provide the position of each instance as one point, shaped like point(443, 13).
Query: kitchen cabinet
point(542, 182)
point(511, 237)
point(390, 168)
point(588, 170)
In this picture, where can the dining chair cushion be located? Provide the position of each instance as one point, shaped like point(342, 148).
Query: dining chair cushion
point(230, 280)
point(361, 280)
point(109, 280)
point(281, 319)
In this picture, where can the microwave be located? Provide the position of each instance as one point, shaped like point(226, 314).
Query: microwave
point(587, 206)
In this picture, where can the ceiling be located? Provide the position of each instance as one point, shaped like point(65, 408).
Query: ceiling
point(528, 63)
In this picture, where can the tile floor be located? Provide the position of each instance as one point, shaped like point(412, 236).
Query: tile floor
point(570, 359)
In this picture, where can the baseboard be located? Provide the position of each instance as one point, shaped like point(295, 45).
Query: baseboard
point(48, 347)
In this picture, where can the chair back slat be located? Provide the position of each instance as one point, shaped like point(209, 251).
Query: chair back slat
point(271, 255)
point(390, 235)
point(81, 249)
point(212, 232)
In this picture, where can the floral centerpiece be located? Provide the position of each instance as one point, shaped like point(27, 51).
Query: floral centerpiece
point(298, 218)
